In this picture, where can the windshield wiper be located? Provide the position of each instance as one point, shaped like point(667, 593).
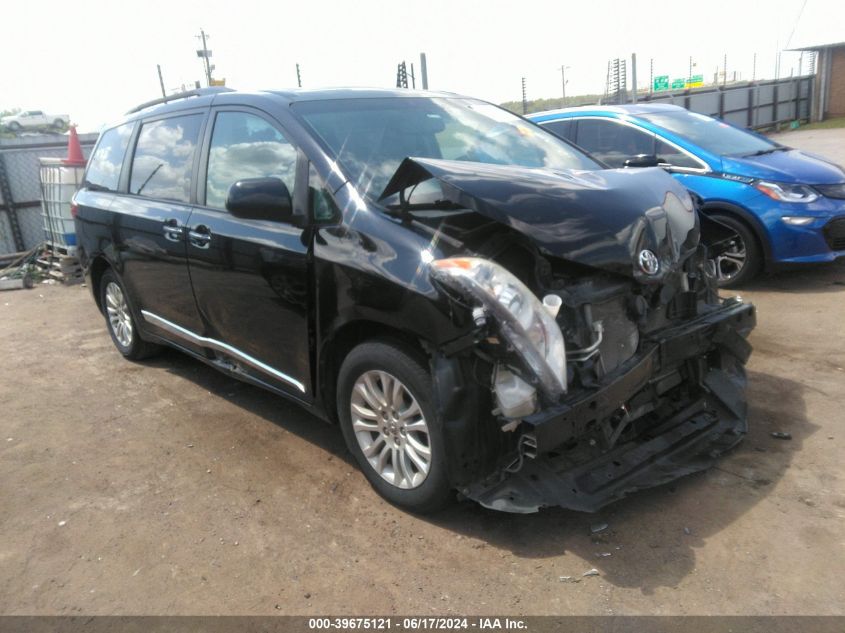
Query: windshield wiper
point(771, 150)
point(434, 205)
point(90, 186)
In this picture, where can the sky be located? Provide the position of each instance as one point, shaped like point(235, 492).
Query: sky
point(94, 60)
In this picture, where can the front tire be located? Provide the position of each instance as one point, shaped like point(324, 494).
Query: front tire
point(741, 263)
point(390, 426)
point(120, 321)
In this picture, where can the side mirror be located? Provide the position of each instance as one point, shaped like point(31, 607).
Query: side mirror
point(260, 199)
point(643, 160)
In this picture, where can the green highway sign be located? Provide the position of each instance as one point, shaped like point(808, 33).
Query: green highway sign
point(679, 84)
point(661, 83)
point(696, 81)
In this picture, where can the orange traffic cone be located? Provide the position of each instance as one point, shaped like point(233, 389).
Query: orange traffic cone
point(74, 149)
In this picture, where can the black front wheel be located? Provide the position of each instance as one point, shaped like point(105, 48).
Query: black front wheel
point(741, 262)
point(120, 321)
point(390, 425)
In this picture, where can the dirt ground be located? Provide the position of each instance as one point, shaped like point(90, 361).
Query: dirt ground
point(165, 487)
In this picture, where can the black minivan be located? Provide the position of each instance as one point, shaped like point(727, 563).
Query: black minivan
point(482, 307)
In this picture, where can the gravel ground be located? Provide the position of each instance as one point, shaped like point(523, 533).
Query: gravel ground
point(165, 487)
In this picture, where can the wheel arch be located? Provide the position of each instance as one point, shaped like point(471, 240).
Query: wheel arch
point(344, 339)
point(99, 265)
point(748, 219)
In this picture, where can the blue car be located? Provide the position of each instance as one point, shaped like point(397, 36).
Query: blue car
point(786, 206)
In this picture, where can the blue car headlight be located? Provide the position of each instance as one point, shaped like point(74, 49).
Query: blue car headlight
point(786, 193)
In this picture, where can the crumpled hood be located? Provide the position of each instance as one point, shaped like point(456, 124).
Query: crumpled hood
point(603, 219)
point(792, 166)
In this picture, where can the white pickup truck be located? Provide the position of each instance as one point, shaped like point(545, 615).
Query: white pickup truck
point(31, 119)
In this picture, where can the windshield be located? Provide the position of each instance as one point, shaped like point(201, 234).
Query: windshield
point(370, 137)
point(711, 134)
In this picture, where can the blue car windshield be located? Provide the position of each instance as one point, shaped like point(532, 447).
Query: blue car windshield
point(369, 138)
point(710, 134)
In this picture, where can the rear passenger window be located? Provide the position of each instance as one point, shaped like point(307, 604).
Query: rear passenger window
point(104, 166)
point(164, 158)
point(246, 146)
point(560, 128)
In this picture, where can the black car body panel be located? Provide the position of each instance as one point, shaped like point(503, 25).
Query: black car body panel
point(651, 355)
point(611, 215)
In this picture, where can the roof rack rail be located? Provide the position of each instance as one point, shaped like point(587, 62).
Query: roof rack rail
point(199, 92)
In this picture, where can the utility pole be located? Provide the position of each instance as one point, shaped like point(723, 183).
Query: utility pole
point(725, 69)
point(563, 85)
point(413, 78)
point(651, 75)
point(754, 68)
point(161, 81)
point(524, 99)
point(205, 54)
point(634, 75)
point(423, 71)
point(298, 77)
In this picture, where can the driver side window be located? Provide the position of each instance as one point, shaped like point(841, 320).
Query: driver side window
point(244, 146)
point(613, 142)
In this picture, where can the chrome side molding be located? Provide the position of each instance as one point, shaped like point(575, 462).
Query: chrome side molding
point(220, 346)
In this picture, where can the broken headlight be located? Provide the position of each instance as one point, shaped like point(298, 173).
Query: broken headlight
point(521, 317)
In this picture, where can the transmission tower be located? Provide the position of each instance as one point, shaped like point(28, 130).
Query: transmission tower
point(617, 81)
point(402, 75)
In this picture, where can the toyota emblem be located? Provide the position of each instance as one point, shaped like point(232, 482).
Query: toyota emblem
point(649, 262)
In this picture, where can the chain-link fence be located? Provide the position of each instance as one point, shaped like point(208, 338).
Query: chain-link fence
point(21, 224)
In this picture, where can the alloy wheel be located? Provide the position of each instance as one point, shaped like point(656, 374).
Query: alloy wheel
point(117, 309)
point(730, 263)
point(391, 429)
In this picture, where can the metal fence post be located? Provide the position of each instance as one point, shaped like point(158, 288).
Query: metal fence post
point(775, 105)
point(750, 106)
point(9, 203)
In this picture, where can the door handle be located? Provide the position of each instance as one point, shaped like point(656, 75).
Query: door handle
point(173, 231)
point(200, 236)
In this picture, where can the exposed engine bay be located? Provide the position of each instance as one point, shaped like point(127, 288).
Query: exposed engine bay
point(612, 363)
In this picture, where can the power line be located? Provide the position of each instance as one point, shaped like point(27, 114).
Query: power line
point(795, 24)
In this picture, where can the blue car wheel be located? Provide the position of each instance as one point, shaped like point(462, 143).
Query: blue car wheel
point(743, 260)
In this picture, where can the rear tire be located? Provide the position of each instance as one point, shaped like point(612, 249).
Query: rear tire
point(14, 126)
point(120, 319)
point(386, 411)
point(740, 264)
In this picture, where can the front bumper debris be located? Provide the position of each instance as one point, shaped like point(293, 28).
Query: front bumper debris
point(710, 352)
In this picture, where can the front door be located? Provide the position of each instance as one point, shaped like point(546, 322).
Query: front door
point(250, 277)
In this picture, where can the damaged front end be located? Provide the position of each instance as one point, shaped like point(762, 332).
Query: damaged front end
point(611, 363)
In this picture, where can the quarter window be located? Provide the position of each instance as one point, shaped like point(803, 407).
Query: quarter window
point(105, 164)
point(246, 146)
point(164, 158)
point(674, 157)
point(323, 208)
point(613, 142)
